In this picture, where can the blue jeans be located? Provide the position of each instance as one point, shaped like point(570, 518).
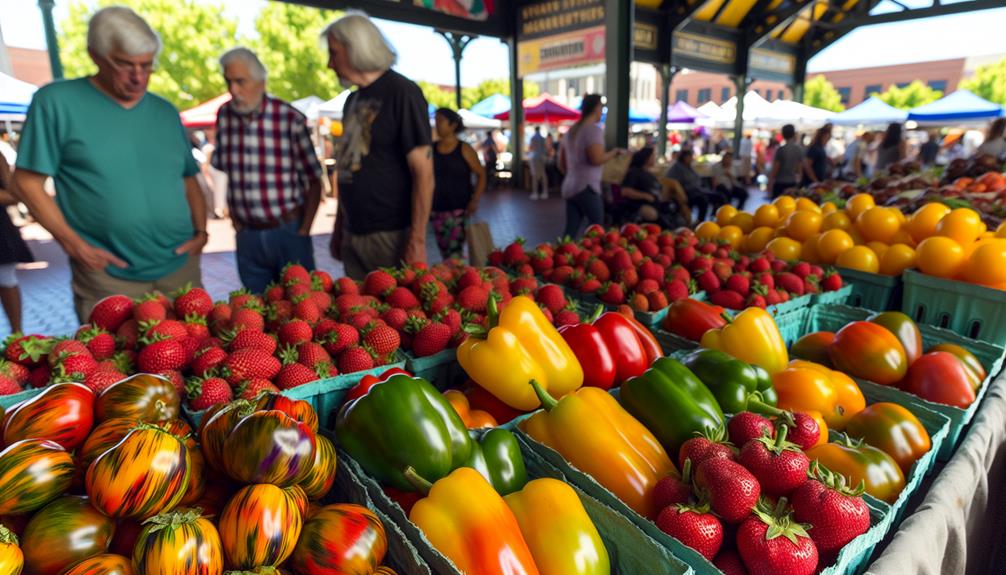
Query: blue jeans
point(261, 254)
point(587, 205)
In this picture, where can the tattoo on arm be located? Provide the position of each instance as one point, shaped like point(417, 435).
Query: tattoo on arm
point(429, 152)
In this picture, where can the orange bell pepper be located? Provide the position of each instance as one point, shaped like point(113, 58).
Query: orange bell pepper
point(472, 418)
point(806, 386)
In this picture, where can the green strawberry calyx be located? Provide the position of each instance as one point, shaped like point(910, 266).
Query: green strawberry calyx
point(835, 481)
point(779, 521)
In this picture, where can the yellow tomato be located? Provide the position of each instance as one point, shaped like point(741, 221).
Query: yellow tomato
point(903, 237)
point(785, 204)
point(724, 214)
point(766, 215)
point(808, 205)
point(879, 248)
point(963, 225)
point(987, 264)
point(808, 252)
point(732, 235)
point(939, 256)
point(785, 248)
point(832, 243)
point(1001, 230)
point(858, 204)
point(902, 218)
point(897, 259)
point(923, 222)
point(744, 221)
point(758, 239)
point(802, 224)
point(828, 207)
point(859, 258)
point(707, 230)
point(878, 224)
point(837, 220)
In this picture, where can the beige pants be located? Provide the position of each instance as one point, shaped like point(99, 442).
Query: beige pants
point(91, 286)
point(365, 253)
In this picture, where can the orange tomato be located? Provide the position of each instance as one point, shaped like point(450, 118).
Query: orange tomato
point(1001, 230)
point(808, 205)
point(963, 225)
point(859, 258)
point(879, 248)
point(725, 213)
point(939, 256)
point(786, 206)
point(766, 215)
point(732, 235)
point(878, 224)
point(987, 264)
point(858, 204)
point(903, 237)
point(897, 259)
point(757, 239)
point(707, 230)
point(837, 220)
point(828, 207)
point(808, 252)
point(832, 243)
point(923, 221)
point(802, 224)
point(744, 221)
point(785, 248)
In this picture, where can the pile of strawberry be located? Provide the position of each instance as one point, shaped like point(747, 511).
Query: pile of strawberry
point(764, 508)
point(761, 280)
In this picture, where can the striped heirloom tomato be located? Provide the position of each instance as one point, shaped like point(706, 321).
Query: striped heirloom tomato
point(105, 436)
point(340, 539)
point(63, 412)
point(269, 447)
point(197, 477)
point(178, 543)
point(11, 558)
point(106, 564)
point(33, 472)
point(216, 425)
point(321, 477)
point(259, 527)
point(63, 533)
point(145, 397)
point(145, 474)
point(298, 409)
point(299, 497)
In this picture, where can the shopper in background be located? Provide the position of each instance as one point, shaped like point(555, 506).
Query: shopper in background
point(640, 188)
point(817, 166)
point(892, 148)
point(726, 183)
point(855, 157)
point(995, 141)
point(787, 163)
point(745, 155)
point(455, 199)
point(489, 156)
point(581, 156)
point(274, 178)
point(930, 149)
point(537, 156)
point(699, 199)
point(385, 157)
point(128, 210)
point(13, 251)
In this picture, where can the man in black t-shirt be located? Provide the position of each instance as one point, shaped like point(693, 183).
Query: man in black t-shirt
point(384, 157)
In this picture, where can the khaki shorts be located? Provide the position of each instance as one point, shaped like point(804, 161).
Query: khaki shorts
point(362, 254)
point(90, 286)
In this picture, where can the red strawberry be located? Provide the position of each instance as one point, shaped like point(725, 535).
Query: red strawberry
point(731, 489)
point(14, 371)
point(541, 261)
point(197, 328)
point(253, 339)
point(779, 465)
point(8, 386)
point(566, 317)
point(612, 293)
point(684, 254)
point(150, 309)
point(345, 285)
point(789, 282)
point(28, 350)
point(771, 542)
point(379, 283)
point(252, 388)
point(110, 312)
point(523, 285)
point(800, 269)
point(161, 355)
point(40, 376)
point(727, 298)
point(221, 314)
point(694, 526)
point(513, 254)
point(711, 443)
point(729, 562)
point(307, 310)
point(340, 338)
point(192, 301)
point(639, 302)
point(295, 332)
point(831, 282)
point(658, 300)
point(322, 300)
point(474, 298)
point(496, 257)
point(65, 347)
point(552, 297)
point(746, 426)
point(429, 337)
point(395, 318)
point(311, 354)
point(651, 270)
point(759, 265)
point(321, 280)
point(755, 300)
point(778, 266)
point(811, 285)
point(598, 269)
point(205, 393)
point(647, 286)
point(805, 431)
point(176, 378)
point(206, 360)
point(772, 297)
point(355, 359)
point(674, 490)
point(167, 329)
point(274, 292)
point(250, 363)
point(739, 283)
point(451, 318)
point(402, 298)
point(836, 513)
point(382, 340)
point(676, 290)
point(294, 374)
point(766, 280)
point(708, 282)
point(247, 317)
point(295, 274)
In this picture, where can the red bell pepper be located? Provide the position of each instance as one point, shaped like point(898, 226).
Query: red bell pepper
point(479, 398)
point(368, 381)
point(608, 348)
point(650, 344)
point(691, 318)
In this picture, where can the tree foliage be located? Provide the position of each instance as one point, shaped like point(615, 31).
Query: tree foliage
point(989, 82)
point(289, 43)
point(819, 93)
point(911, 96)
point(194, 35)
point(443, 97)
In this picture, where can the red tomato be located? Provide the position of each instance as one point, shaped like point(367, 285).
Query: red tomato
point(940, 377)
point(869, 351)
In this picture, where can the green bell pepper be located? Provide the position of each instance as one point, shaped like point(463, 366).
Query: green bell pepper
point(496, 455)
point(403, 422)
point(671, 402)
point(737, 385)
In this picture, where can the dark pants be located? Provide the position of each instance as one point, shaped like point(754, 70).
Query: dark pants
point(587, 205)
point(779, 188)
point(734, 193)
point(261, 254)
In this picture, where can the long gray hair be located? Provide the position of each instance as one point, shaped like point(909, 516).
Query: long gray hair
point(369, 50)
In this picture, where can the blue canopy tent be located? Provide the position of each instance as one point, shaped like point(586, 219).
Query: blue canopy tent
point(873, 112)
point(961, 106)
point(491, 106)
point(635, 117)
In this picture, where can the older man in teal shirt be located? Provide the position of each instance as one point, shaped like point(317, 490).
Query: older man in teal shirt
point(128, 211)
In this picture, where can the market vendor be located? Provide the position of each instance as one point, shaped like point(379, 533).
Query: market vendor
point(128, 209)
point(384, 158)
point(264, 146)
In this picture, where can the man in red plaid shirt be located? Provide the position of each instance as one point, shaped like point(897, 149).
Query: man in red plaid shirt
point(274, 177)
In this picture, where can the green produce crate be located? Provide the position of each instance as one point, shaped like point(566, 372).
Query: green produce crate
point(671, 342)
point(788, 306)
point(791, 324)
point(441, 369)
point(6, 401)
point(839, 296)
point(971, 310)
point(833, 317)
point(852, 558)
point(872, 291)
point(651, 319)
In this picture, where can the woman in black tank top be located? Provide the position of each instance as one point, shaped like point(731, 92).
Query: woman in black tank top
point(455, 199)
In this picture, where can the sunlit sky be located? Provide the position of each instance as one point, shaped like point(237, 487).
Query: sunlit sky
point(424, 55)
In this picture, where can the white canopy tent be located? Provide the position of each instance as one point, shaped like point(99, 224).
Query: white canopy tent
point(309, 106)
point(755, 108)
point(15, 97)
point(476, 122)
point(782, 112)
point(333, 108)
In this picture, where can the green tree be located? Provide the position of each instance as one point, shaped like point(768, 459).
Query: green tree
point(819, 93)
point(438, 96)
point(475, 94)
point(289, 43)
point(989, 82)
point(911, 96)
point(194, 34)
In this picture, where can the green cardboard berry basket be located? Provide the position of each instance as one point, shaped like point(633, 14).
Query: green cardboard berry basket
point(791, 324)
point(441, 369)
point(872, 291)
point(833, 317)
point(588, 302)
point(839, 296)
point(6, 401)
point(972, 310)
point(790, 306)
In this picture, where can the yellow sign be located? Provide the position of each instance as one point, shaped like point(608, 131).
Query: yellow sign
point(644, 36)
point(560, 51)
point(704, 48)
point(556, 16)
point(770, 61)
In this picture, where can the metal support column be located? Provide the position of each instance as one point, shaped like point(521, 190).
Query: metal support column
point(51, 43)
point(516, 118)
point(742, 82)
point(799, 76)
point(617, 59)
point(667, 73)
point(458, 43)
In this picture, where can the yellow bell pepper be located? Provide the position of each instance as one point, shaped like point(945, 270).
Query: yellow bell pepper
point(593, 432)
point(751, 336)
point(467, 521)
point(519, 346)
point(562, 538)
